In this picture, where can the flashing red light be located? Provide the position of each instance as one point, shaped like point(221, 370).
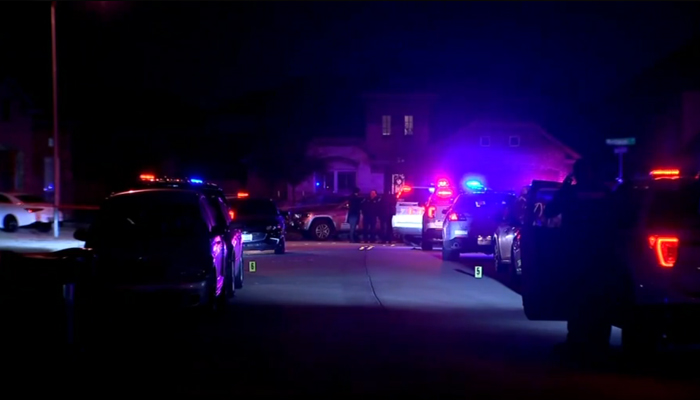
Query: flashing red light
point(431, 212)
point(232, 214)
point(443, 183)
point(665, 248)
point(243, 194)
point(148, 177)
point(406, 189)
point(665, 173)
point(444, 193)
point(453, 217)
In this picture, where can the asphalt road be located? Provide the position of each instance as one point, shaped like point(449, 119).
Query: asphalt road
point(344, 319)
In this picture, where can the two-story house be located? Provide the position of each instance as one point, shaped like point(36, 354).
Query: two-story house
point(504, 155)
point(26, 146)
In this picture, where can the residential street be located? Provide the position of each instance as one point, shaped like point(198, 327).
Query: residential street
point(338, 318)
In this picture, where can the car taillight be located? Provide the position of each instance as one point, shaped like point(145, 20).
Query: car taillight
point(456, 217)
point(33, 210)
point(444, 193)
point(665, 248)
point(232, 214)
point(431, 212)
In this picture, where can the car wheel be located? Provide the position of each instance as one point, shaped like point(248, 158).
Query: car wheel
point(10, 224)
point(281, 247)
point(498, 260)
point(238, 280)
point(321, 230)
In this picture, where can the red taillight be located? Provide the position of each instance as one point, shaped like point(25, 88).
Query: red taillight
point(243, 194)
point(406, 189)
point(232, 214)
point(665, 248)
point(431, 212)
point(147, 177)
point(444, 193)
point(33, 210)
point(453, 217)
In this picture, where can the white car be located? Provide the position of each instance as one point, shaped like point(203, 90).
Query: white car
point(19, 209)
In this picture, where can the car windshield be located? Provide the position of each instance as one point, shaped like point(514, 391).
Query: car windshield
point(253, 207)
point(416, 195)
point(30, 198)
point(149, 215)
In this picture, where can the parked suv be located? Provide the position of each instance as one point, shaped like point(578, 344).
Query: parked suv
point(321, 221)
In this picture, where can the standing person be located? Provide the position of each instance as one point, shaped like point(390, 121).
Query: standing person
point(370, 212)
point(586, 209)
point(354, 210)
point(387, 209)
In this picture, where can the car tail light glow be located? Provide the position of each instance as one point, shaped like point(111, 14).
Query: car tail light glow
point(232, 214)
point(406, 189)
point(431, 212)
point(444, 193)
point(148, 177)
point(665, 174)
point(456, 217)
point(33, 210)
point(243, 194)
point(665, 248)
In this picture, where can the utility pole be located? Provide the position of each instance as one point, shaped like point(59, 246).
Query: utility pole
point(56, 153)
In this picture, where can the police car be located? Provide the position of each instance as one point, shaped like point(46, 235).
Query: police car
point(410, 205)
point(657, 287)
point(434, 214)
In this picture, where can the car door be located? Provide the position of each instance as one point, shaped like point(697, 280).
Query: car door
point(546, 284)
point(218, 247)
point(340, 216)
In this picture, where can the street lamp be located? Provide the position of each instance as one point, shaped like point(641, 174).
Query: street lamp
point(56, 154)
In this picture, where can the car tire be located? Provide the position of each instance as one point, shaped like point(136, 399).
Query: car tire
point(10, 223)
point(449, 254)
point(281, 247)
point(238, 277)
point(498, 260)
point(322, 230)
point(230, 282)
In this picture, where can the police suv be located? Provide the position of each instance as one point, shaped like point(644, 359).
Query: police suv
point(653, 282)
point(410, 205)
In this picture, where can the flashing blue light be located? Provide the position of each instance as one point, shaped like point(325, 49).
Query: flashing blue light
point(318, 184)
point(196, 181)
point(431, 190)
point(474, 185)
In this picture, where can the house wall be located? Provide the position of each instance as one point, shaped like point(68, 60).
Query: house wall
point(492, 154)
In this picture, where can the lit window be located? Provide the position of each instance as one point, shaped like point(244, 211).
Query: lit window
point(486, 141)
point(386, 125)
point(408, 125)
point(514, 141)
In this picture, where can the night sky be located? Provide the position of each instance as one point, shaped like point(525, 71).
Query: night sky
point(144, 76)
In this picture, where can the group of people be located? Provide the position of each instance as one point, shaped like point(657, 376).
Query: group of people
point(374, 212)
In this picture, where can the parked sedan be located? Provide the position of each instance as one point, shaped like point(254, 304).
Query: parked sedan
point(262, 224)
point(19, 210)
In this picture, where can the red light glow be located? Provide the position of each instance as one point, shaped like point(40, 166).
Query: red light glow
point(444, 193)
point(232, 214)
point(431, 212)
point(243, 194)
point(665, 174)
point(406, 189)
point(453, 217)
point(443, 183)
point(147, 177)
point(665, 248)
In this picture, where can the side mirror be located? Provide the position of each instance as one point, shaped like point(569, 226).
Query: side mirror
point(81, 234)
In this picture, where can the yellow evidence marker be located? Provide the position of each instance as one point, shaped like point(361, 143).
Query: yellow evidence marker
point(252, 266)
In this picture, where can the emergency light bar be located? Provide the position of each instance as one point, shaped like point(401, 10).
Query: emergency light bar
point(443, 183)
point(665, 174)
point(147, 177)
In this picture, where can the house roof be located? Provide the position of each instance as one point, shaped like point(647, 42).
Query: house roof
point(524, 126)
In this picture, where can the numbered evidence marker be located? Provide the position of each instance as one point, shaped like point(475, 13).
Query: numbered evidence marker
point(478, 272)
point(252, 266)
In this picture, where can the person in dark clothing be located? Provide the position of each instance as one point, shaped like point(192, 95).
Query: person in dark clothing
point(387, 209)
point(354, 210)
point(586, 210)
point(370, 212)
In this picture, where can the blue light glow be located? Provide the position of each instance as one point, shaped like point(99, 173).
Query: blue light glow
point(318, 184)
point(196, 180)
point(473, 184)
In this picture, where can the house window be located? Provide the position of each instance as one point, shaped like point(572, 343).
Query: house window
point(328, 181)
point(514, 141)
point(386, 125)
point(485, 141)
point(408, 125)
point(6, 110)
point(347, 181)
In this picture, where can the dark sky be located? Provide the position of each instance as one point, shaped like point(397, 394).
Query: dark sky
point(117, 58)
